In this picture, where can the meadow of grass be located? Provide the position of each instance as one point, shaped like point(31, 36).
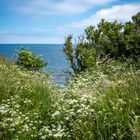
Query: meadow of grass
point(99, 104)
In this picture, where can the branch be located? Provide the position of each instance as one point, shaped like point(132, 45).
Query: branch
point(98, 62)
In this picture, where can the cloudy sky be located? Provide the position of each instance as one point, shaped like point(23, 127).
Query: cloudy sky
point(50, 21)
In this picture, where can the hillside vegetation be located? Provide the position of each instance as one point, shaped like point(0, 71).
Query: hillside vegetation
point(101, 101)
point(94, 105)
point(108, 41)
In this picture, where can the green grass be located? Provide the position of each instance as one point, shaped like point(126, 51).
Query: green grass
point(95, 105)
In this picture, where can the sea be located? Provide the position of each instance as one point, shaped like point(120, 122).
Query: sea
point(51, 53)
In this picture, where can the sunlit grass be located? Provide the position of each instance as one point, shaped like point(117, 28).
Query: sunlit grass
point(94, 105)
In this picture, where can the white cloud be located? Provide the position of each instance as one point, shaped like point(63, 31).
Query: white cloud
point(57, 34)
point(47, 7)
point(119, 12)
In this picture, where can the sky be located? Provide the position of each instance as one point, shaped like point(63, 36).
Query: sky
point(50, 21)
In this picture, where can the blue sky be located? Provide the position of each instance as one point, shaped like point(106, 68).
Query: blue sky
point(50, 21)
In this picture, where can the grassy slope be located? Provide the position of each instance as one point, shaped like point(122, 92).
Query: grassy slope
point(22, 94)
point(94, 105)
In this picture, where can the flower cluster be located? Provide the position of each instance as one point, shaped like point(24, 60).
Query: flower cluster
point(13, 118)
point(93, 105)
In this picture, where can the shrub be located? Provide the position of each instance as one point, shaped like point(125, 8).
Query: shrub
point(29, 60)
point(109, 40)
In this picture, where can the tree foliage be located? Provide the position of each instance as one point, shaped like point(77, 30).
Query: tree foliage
point(29, 60)
point(109, 40)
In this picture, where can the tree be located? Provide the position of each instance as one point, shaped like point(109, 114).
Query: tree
point(29, 60)
point(80, 57)
point(109, 40)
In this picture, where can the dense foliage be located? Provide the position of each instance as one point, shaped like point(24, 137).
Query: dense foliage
point(96, 105)
point(28, 60)
point(99, 103)
point(109, 40)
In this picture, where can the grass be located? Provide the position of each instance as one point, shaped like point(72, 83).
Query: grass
point(95, 105)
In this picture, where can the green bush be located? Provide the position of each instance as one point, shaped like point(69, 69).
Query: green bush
point(109, 40)
point(28, 60)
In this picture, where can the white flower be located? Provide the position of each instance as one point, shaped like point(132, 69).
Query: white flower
point(56, 113)
point(26, 127)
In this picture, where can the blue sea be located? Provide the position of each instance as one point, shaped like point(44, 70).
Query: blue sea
point(51, 53)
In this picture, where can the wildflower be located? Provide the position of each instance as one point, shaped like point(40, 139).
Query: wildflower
point(56, 114)
point(26, 127)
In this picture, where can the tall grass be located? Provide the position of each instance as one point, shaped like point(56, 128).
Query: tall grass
point(22, 95)
point(95, 105)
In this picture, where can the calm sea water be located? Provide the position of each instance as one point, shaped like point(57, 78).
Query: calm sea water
point(51, 53)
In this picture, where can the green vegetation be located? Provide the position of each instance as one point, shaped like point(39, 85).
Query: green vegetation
point(97, 104)
point(100, 102)
point(28, 60)
point(109, 40)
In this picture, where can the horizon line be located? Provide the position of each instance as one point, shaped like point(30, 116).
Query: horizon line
point(32, 43)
